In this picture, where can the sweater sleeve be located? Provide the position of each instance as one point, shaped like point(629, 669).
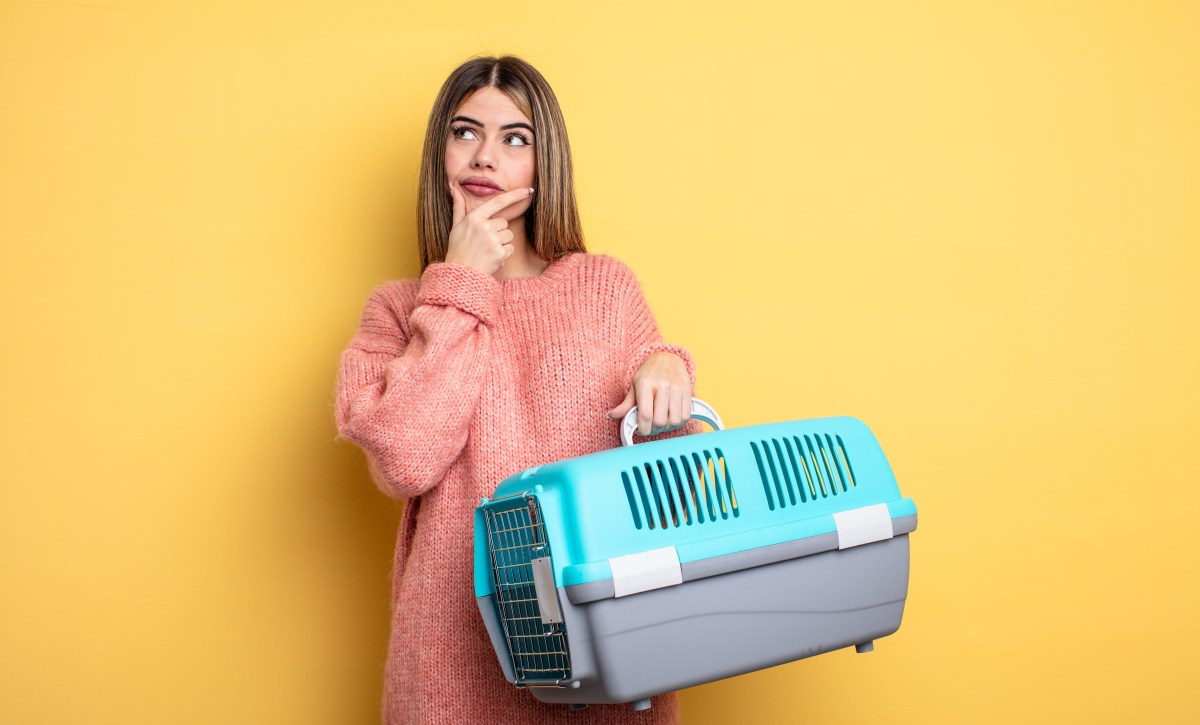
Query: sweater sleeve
point(643, 339)
point(642, 336)
point(406, 393)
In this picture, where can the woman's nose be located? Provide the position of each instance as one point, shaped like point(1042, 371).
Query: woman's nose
point(483, 157)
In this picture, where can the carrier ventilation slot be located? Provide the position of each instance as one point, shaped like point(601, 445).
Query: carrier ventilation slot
point(680, 491)
point(517, 536)
point(804, 468)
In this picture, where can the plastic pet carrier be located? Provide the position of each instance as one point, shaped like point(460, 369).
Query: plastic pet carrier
point(624, 574)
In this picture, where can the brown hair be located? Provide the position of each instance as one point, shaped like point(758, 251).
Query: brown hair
point(552, 220)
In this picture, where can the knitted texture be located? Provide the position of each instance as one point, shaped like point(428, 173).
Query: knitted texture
point(453, 382)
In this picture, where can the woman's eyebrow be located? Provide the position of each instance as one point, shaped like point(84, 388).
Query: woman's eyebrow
point(468, 119)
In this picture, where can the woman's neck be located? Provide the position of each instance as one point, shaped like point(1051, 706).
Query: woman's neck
point(524, 262)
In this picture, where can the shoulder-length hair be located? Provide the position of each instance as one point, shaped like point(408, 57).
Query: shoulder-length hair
point(552, 220)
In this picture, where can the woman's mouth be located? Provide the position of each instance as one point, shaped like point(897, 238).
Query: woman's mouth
point(479, 186)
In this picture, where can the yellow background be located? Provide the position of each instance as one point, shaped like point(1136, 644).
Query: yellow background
point(973, 225)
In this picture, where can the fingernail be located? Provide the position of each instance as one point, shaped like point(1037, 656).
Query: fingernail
point(531, 191)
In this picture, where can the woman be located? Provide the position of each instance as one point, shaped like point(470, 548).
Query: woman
point(509, 351)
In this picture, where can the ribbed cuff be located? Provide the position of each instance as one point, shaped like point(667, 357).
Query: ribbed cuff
point(639, 356)
point(456, 285)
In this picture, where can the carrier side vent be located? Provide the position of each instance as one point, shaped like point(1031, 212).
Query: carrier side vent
point(681, 491)
point(800, 469)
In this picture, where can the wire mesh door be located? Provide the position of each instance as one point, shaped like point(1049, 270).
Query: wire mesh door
point(516, 537)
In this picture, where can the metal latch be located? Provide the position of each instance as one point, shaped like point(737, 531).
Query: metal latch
point(547, 593)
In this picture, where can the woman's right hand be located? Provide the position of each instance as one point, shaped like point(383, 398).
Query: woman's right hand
point(480, 239)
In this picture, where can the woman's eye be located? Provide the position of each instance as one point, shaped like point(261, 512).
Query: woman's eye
point(466, 133)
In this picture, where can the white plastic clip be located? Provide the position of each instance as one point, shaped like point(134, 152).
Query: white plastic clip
point(648, 570)
point(863, 525)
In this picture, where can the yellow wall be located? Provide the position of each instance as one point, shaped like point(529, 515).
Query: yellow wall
point(973, 225)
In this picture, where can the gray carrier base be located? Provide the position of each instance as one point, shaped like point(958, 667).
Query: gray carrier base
point(724, 620)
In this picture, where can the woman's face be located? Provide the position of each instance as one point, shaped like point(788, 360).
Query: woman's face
point(490, 139)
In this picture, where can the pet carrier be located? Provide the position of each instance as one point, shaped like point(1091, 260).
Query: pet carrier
point(624, 574)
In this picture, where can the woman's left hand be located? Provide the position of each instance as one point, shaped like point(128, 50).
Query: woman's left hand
point(662, 391)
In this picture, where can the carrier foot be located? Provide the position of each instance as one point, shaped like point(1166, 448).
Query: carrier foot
point(865, 647)
point(641, 705)
point(578, 705)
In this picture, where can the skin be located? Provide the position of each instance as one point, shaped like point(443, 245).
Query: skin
point(662, 392)
point(488, 234)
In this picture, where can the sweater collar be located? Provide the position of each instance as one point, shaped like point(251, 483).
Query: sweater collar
point(557, 270)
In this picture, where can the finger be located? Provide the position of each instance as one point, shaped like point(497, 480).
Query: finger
point(506, 236)
point(497, 224)
point(662, 410)
point(645, 405)
point(498, 202)
point(675, 410)
point(623, 407)
point(460, 204)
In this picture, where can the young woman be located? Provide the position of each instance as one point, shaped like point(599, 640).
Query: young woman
point(515, 347)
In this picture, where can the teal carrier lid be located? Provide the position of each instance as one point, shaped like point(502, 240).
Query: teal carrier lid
point(632, 518)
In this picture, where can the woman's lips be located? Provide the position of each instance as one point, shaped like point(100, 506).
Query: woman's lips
point(479, 190)
point(481, 186)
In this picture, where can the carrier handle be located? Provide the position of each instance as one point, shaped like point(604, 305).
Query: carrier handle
point(700, 410)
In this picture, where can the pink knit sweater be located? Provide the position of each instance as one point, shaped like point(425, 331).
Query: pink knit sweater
point(453, 382)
